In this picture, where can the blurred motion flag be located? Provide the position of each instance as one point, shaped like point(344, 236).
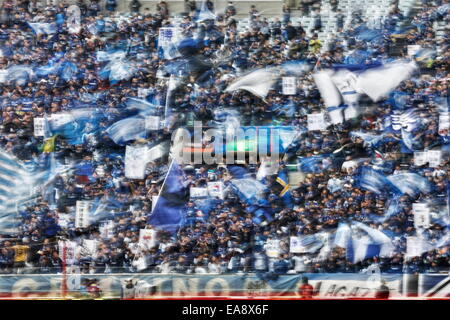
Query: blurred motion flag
point(205, 13)
point(285, 192)
point(378, 82)
point(249, 188)
point(16, 186)
point(42, 28)
point(131, 128)
point(257, 82)
point(372, 180)
point(362, 242)
point(409, 183)
point(306, 243)
point(170, 207)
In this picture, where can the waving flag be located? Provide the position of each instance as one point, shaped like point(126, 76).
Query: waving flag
point(16, 186)
point(379, 82)
point(372, 180)
point(257, 82)
point(128, 129)
point(409, 183)
point(205, 13)
point(249, 188)
point(42, 28)
point(285, 193)
point(170, 207)
point(362, 242)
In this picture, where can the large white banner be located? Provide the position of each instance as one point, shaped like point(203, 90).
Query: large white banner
point(216, 189)
point(289, 86)
point(316, 121)
point(147, 238)
point(135, 161)
point(82, 212)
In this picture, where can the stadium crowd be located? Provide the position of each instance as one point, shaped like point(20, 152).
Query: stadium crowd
point(226, 237)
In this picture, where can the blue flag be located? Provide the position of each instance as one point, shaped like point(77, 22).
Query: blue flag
point(170, 207)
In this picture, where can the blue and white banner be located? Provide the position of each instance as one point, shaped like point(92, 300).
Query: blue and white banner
point(326, 286)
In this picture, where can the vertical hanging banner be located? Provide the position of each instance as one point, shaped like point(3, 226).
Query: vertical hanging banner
point(39, 127)
point(316, 121)
point(135, 161)
point(83, 209)
point(421, 215)
point(147, 238)
point(216, 189)
point(289, 86)
point(70, 251)
point(444, 122)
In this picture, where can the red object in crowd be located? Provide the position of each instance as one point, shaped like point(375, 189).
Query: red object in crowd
point(306, 291)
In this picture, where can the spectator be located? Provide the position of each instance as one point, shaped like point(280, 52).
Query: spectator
point(135, 6)
point(306, 290)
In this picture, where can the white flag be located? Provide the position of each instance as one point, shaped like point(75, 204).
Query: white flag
point(316, 121)
point(379, 82)
point(328, 90)
point(415, 246)
point(257, 82)
point(135, 161)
